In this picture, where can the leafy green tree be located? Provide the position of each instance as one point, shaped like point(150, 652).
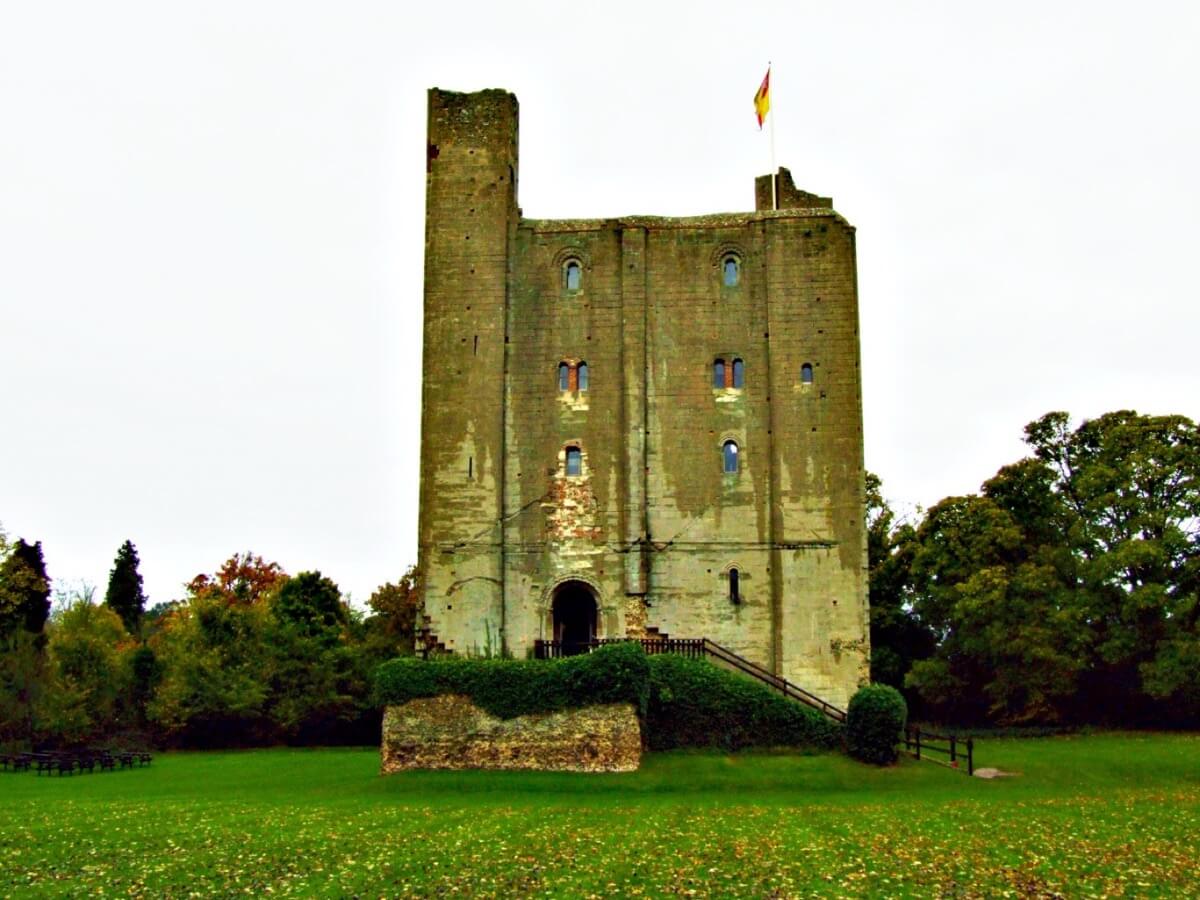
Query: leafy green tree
point(1129, 485)
point(24, 607)
point(898, 636)
point(313, 605)
point(87, 674)
point(145, 673)
point(1009, 639)
point(1069, 589)
point(24, 588)
point(213, 688)
point(125, 596)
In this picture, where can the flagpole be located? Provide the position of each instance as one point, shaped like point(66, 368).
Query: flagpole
point(774, 171)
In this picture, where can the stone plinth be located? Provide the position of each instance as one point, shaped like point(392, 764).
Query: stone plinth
point(451, 732)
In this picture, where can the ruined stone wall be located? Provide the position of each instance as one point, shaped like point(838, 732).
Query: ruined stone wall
point(651, 524)
point(450, 732)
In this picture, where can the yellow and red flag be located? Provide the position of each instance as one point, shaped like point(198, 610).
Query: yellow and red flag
point(762, 100)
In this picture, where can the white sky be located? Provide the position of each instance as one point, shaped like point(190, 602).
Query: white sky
point(211, 235)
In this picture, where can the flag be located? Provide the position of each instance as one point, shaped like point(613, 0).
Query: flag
point(762, 100)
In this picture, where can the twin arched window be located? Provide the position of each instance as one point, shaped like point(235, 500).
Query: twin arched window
point(729, 375)
point(572, 376)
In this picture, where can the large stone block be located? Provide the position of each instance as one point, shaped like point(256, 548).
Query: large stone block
point(451, 732)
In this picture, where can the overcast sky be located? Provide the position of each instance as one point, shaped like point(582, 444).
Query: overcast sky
point(211, 236)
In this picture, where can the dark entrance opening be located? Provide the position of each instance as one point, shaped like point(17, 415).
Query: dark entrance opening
point(574, 611)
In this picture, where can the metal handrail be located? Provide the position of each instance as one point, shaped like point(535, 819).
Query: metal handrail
point(697, 648)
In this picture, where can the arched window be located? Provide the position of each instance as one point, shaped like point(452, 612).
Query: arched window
point(734, 578)
point(739, 373)
point(583, 376)
point(718, 373)
point(806, 375)
point(729, 453)
point(573, 275)
point(730, 271)
point(574, 461)
point(564, 376)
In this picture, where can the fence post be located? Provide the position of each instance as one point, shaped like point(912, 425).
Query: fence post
point(970, 756)
point(918, 735)
point(953, 757)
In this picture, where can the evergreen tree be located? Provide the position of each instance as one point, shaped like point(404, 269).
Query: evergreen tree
point(24, 588)
point(125, 596)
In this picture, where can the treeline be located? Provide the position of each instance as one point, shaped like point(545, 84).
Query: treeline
point(1066, 591)
point(250, 655)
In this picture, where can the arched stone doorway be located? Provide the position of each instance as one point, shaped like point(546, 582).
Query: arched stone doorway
point(573, 612)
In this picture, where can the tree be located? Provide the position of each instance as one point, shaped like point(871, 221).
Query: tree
point(24, 589)
point(124, 595)
point(313, 604)
point(898, 637)
point(1071, 588)
point(88, 676)
point(1008, 637)
point(243, 578)
point(1129, 486)
point(392, 627)
point(213, 687)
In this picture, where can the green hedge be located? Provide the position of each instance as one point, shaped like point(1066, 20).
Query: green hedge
point(615, 673)
point(874, 720)
point(695, 704)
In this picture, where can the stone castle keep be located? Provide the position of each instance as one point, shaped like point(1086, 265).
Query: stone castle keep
point(638, 426)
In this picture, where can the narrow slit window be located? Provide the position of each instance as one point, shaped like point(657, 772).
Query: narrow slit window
point(574, 275)
point(806, 373)
point(574, 461)
point(583, 376)
point(730, 270)
point(729, 454)
point(470, 468)
point(739, 373)
point(564, 376)
point(734, 578)
point(719, 373)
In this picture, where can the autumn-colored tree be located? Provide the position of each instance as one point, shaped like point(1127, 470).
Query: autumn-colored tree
point(243, 578)
point(395, 608)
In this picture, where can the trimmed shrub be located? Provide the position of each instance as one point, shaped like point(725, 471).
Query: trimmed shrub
point(695, 704)
point(874, 720)
point(614, 673)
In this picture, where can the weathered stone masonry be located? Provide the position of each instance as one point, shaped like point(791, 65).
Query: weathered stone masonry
point(514, 545)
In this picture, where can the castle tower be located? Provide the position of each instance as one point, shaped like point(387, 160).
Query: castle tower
point(638, 426)
point(470, 214)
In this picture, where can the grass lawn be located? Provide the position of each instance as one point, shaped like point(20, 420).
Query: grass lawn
point(1100, 815)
